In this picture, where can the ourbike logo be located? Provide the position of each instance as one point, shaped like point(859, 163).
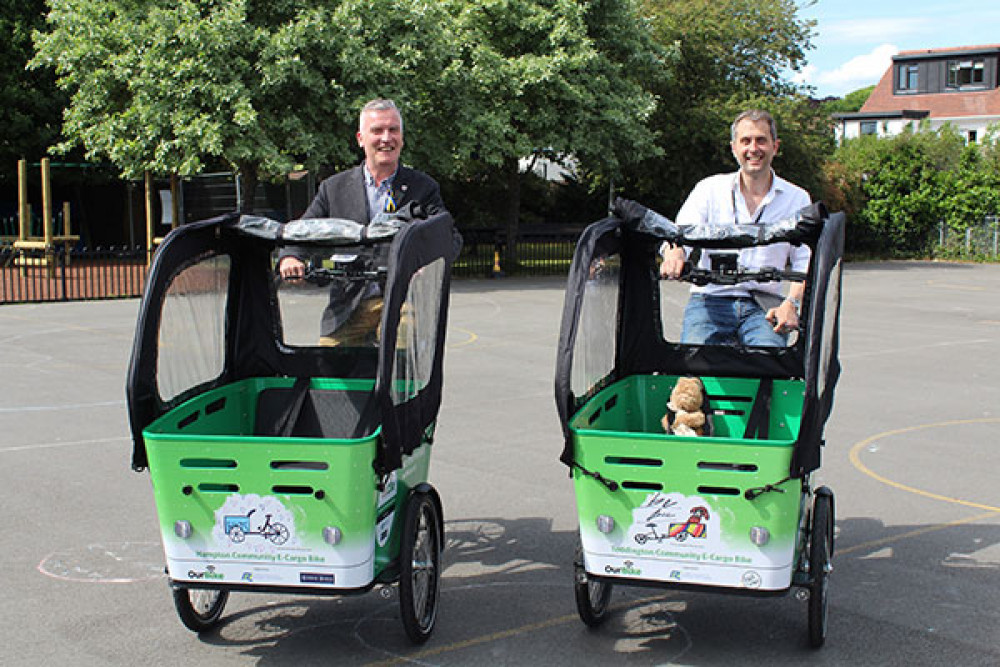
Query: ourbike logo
point(209, 573)
point(627, 568)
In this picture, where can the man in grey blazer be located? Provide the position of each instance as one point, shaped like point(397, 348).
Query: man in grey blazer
point(379, 184)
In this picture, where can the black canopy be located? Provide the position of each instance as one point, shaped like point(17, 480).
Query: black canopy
point(252, 329)
point(633, 236)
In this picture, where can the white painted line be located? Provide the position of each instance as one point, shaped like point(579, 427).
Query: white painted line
point(52, 445)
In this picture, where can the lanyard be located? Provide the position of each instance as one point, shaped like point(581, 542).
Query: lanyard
point(736, 221)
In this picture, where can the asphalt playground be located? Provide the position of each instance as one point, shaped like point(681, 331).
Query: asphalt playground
point(913, 456)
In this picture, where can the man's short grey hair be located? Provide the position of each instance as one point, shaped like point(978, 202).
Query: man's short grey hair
point(380, 104)
point(755, 115)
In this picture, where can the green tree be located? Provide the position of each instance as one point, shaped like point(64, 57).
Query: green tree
point(552, 78)
point(30, 104)
point(728, 55)
point(895, 190)
point(257, 86)
point(850, 102)
point(973, 190)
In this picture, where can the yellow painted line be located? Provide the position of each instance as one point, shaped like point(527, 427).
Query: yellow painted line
point(472, 338)
point(874, 544)
point(856, 461)
point(992, 512)
point(503, 634)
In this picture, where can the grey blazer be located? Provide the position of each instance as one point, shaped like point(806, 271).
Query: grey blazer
point(343, 195)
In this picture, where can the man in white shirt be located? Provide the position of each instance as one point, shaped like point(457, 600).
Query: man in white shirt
point(730, 314)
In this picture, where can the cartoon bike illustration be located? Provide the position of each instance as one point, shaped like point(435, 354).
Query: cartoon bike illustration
point(652, 535)
point(678, 531)
point(237, 527)
point(693, 526)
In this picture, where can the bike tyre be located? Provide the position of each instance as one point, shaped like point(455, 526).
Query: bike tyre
point(420, 567)
point(820, 554)
point(200, 609)
point(592, 596)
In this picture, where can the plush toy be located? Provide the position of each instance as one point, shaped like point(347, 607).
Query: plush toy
point(684, 410)
point(688, 423)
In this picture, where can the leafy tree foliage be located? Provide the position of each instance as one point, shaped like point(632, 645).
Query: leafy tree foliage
point(548, 78)
point(850, 102)
point(254, 85)
point(897, 190)
point(728, 55)
point(30, 105)
point(973, 188)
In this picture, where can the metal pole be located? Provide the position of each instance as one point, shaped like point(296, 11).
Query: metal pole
point(150, 225)
point(175, 201)
point(130, 190)
point(23, 212)
point(47, 217)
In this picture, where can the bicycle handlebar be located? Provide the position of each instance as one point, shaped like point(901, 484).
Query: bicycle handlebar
point(735, 275)
point(321, 277)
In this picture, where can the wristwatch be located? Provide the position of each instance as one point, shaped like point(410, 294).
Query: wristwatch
point(795, 302)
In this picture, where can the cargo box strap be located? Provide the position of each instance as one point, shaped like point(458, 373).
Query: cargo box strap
point(750, 494)
point(610, 483)
point(760, 413)
point(287, 419)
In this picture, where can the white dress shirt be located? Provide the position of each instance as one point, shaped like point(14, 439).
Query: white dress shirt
point(719, 200)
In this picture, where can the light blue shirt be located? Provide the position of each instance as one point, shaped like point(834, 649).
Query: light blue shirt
point(379, 196)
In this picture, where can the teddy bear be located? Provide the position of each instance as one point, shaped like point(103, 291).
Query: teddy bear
point(684, 409)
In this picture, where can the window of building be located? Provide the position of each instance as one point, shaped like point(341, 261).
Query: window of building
point(908, 78)
point(869, 127)
point(972, 136)
point(962, 73)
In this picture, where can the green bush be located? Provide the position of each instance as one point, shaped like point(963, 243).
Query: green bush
point(898, 191)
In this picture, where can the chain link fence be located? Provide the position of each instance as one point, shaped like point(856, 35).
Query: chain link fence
point(980, 241)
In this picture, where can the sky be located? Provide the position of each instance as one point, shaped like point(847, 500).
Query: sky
point(855, 40)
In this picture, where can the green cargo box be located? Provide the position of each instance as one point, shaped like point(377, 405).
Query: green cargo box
point(680, 512)
point(240, 505)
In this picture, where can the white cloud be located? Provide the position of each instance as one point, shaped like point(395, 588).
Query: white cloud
point(858, 72)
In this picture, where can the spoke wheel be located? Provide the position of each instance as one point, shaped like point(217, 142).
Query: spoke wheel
point(200, 608)
point(592, 596)
point(820, 554)
point(280, 534)
point(420, 567)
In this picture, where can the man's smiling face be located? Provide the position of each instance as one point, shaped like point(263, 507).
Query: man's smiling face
point(381, 136)
point(754, 147)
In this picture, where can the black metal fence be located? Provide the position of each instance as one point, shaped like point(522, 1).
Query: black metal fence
point(73, 275)
point(541, 251)
point(81, 274)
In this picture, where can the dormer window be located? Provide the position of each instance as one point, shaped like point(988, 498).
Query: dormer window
point(966, 73)
point(908, 78)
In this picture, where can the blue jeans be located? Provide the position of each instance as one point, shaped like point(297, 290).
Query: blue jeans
point(728, 320)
